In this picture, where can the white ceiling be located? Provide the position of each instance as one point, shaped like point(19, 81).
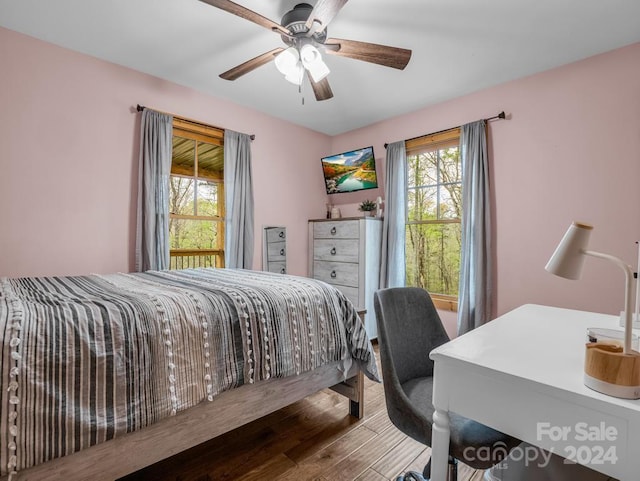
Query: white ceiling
point(459, 46)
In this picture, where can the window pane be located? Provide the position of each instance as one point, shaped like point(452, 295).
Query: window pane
point(195, 234)
point(181, 196)
point(184, 154)
point(450, 201)
point(207, 198)
point(210, 161)
point(422, 169)
point(433, 257)
point(451, 176)
point(421, 204)
point(196, 260)
point(450, 167)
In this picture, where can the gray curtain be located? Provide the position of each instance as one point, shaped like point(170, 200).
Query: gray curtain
point(392, 261)
point(476, 264)
point(238, 244)
point(152, 229)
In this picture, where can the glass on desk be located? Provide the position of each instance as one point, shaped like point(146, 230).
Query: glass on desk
point(614, 337)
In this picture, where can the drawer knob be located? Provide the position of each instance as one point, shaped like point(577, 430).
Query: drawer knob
point(281, 252)
point(333, 251)
point(281, 235)
point(333, 231)
point(333, 274)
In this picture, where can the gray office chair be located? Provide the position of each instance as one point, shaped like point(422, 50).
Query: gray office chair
point(408, 329)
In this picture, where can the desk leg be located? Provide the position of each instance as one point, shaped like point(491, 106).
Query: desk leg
point(439, 445)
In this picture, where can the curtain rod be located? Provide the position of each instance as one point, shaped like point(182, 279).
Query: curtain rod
point(140, 108)
point(501, 115)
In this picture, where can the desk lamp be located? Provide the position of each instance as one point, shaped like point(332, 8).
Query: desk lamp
point(609, 369)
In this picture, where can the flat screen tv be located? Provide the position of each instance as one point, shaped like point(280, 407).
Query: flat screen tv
point(350, 171)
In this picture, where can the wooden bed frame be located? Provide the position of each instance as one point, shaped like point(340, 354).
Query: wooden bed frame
point(229, 410)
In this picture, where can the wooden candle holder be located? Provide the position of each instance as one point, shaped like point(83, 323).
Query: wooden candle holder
point(607, 369)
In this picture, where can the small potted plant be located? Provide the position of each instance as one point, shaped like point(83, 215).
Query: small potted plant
point(368, 207)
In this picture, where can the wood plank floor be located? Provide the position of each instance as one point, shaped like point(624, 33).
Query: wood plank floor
point(313, 439)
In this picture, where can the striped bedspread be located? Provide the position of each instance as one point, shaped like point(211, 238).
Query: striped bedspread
point(85, 359)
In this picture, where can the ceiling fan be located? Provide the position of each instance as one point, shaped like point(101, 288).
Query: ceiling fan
point(304, 30)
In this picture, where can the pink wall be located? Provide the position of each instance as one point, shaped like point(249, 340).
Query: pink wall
point(68, 160)
point(68, 166)
point(570, 149)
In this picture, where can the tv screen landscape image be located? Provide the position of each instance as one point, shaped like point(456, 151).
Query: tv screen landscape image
point(350, 171)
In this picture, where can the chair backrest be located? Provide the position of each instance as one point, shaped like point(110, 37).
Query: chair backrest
point(408, 329)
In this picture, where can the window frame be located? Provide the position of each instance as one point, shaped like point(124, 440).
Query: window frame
point(199, 132)
point(420, 145)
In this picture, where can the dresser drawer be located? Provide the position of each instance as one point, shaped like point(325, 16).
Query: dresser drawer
point(346, 229)
point(276, 251)
point(336, 273)
point(350, 293)
point(336, 250)
point(275, 234)
point(277, 267)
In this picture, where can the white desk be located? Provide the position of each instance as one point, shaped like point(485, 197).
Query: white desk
point(522, 374)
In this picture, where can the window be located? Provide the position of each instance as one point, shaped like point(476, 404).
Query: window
point(196, 196)
point(434, 210)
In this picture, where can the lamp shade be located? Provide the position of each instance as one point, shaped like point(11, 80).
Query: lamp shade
point(309, 55)
point(568, 258)
point(286, 61)
point(312, 61)
point(318, 71)
point(296, 74)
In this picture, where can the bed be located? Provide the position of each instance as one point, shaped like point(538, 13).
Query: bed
point(95, 366)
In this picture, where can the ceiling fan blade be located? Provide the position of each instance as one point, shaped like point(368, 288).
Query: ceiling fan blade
point(243, 12)
point(322, 89)
point(250, 65)
point(323, 13)
point(370, 52)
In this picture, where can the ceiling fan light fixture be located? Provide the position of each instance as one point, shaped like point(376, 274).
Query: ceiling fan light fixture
point(286, 62)
point(312, 61)
point(309, 55)
point(318, 70)
point(296, 74)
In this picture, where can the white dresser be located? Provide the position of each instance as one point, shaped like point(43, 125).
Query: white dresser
point(346, 254)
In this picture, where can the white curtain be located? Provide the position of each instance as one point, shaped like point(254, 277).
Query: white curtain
point(238, 244)
point(152, 229)
point(392, 260)
point(476, 264)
